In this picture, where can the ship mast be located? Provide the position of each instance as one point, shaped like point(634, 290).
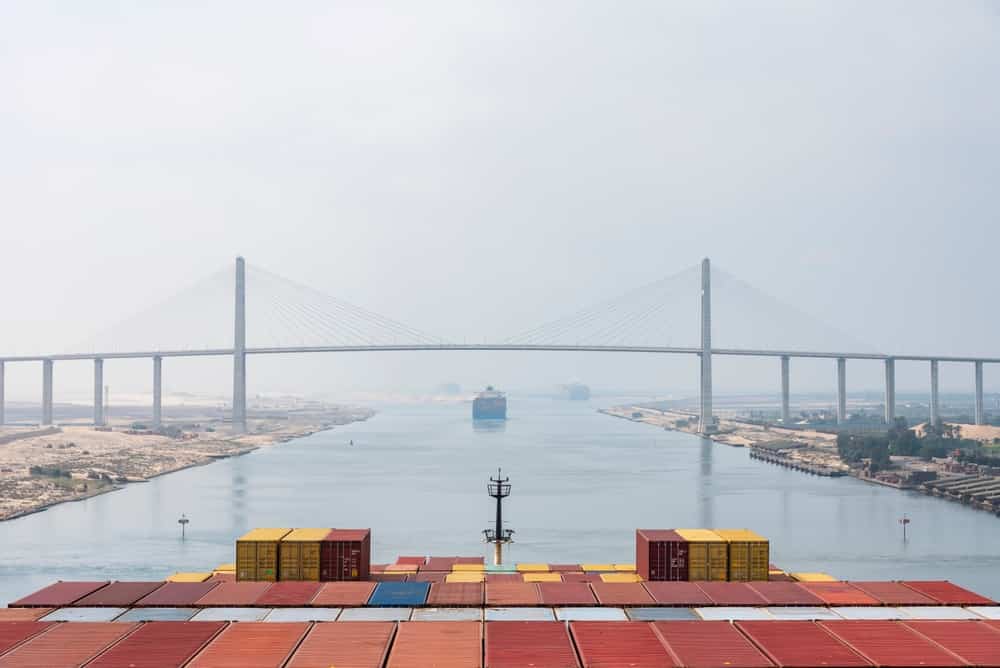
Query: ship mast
point(499, 489)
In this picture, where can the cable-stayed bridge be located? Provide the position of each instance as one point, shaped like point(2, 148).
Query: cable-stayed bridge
point(286, 317)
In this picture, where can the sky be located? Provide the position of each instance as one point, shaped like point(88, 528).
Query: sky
point(474, 169)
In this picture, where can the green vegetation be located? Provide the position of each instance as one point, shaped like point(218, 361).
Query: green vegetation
point(49, 471)
point(900, 440)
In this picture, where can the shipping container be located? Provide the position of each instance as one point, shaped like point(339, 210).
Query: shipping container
point(838, 593)
point(893, 593)
point(585, 577)
point(509, 594)
point(532, 568)
point(408, 594)
point(288, 594)
point(620, 577)
point(656, 614)
point(251, 645)
point(227, 594)
point(984, 611)
point(732, 613)
point(447, 615)
point(802, 613)
point(466, 577)
point(541, 577)
point(800, 644)
point(298, 554)
point(785, 593)
point(302, 615)
point(66, 645)
point(732, 593)
point(566, 568)
point(603, 644)
point(189, 577)
point(231, 615)
point(389, 577)
point(706, 644)
point(223, 577)
point(890, 644)
point(590, 614)
point(411, 561)
point(566, 593)
point(686, 594)
point(621, 593)
point(80, 614)
point(429, 576)
point(23, 614)
point(375, 615)
point(625, 568)
point(939, 612)
point(176, 594)
point(460, 567)
point(405, 569)
point(14, 633)
point(119, 594)
point(160, 645)
point(947, 593)
point(346, 554)
point(521, 644)
point(519, 615)
point(355, 645)
point(867, 613)
point(813, 577)
point(661, 554)
point(471, 560)
point(748, 554)
point(439, 563)
point(257, 555)
point(437, 644)
point(158, 615)
point(708, 555)
point(975, 642)
point(344, 594)
point(456, 594)
point(598, 568)
point(58, 594)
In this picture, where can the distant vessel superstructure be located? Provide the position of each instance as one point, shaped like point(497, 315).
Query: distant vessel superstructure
point(490, 404)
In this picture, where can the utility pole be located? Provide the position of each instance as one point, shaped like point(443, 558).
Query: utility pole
point(499, 489)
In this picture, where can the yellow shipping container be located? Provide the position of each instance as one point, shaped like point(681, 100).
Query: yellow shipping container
point(189, 577)
point(598, 568)
point(625, 568)
point(621, 577)
point(708, 554)
point(299, 554)
point(465, 576)
point(532, 568)
point(749, 554)
point(813, 577)
point(542, 577)
point(225, 568)
point(257, 555)
point(468, 568)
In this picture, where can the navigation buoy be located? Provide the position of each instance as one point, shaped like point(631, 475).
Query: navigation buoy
point(183, 521)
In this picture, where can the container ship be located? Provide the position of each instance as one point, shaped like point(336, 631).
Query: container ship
point(576, 392)
point(489, 405)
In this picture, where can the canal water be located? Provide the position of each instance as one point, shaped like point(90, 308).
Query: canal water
point(582, 482)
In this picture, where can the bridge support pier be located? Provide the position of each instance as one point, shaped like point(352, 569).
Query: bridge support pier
point(157, 390)
point(707, 423)
point(3, 416)
point(890, 391)
point(786, 414)
point(980, 418)
point(935, 406)
point(46, 392)
point(841, 390)
point(98, 392)
point(239, 352)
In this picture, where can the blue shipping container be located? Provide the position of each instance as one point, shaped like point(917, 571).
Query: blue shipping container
point(399, 594)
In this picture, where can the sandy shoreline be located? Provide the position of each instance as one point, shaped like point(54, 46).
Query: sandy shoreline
point(40, 469)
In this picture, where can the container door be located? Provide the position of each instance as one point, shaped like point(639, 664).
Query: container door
point(759, 560)
point(267, 561)
point(678, 561)
point(718, 555)
point(246, 561)
point(697, 561)
point(310, 562)
point(291, 561)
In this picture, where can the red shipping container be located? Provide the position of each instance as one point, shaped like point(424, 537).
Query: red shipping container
point(581, 577)
point(710, 645)
point(442, 564)
point(428, 576)
point(222, 577)
point(411, 561)
point(345, 645)
point(388, 577)
point(780, 577)
point(13, 634)
point(731, 593)
point(565, 568)
point(293, 594)
point(159, 645)
point(504, 577)
point(838, 593)
point(58, 594)
point(566, 593)
point(344, 594)
point(893, 593)
point(118, 594)
point(619, 644)
point(677, 594)
point(233, 594)
point(437, 644)
point(890, 644)
point(522, 644)
point(252, 645)
point(506, 594)
point(784, 593)
point(621, 593)
point(67, 645)
point(176, 594)
point(800, 644)
point(974, 641)
point(23, 614)
point(456, 594)
point(345, 554)
point(947, 592)
point(661, 555)
point(470, 560)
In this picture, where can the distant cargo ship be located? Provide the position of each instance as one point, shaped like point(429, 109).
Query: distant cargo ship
point(489, 405)
point(576, 392)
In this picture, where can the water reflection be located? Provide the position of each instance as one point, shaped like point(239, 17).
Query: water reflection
point(495, 426)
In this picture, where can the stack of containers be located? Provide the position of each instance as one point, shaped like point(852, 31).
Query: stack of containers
point(701, 555)
point(300, 553)
point(257, 555)
point(346, 554)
